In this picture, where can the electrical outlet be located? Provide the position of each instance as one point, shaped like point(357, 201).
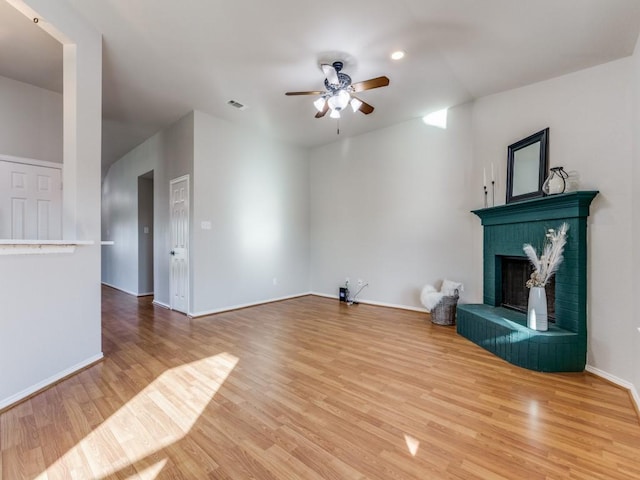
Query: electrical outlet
point(275, 280)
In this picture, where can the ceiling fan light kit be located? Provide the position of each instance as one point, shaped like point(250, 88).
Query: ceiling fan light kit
point(339, 92)
point(338, 100)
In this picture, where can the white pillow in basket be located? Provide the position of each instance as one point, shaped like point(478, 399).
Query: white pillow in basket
point(449, 288)
point(430, 297)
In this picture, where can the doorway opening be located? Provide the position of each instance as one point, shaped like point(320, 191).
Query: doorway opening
point(145, 234)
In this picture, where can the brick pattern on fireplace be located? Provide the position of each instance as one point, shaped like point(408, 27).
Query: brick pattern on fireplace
point(506, 228)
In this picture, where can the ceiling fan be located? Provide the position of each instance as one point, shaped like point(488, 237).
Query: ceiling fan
point(340, 91)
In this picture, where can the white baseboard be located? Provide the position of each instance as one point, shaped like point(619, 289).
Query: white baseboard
point(128, 292)
point(377, 304)
point(6, 402)
point(325, 295)
point(617, 381)
point(393, 305)
point(245, 305)
point(160, 304)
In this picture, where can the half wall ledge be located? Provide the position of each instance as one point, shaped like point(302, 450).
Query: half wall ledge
point(40, 247)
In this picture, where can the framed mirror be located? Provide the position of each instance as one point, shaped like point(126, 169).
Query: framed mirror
point(527, 167)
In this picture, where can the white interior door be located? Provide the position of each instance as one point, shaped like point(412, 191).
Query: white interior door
point(179, 268)
point(30, 201)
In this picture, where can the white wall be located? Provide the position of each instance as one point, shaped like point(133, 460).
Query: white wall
point(392, 208)
point(30, 121)
point(50, 320)
point(589, 114)
point(120, 215)
point(635, 345)
point(169, 154)
point(254, 191)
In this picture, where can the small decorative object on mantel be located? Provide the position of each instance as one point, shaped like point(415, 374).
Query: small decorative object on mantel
point(556, 182)
point(544, 268)
point(493, 187)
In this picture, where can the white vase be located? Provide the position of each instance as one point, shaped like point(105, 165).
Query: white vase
point(537, 309)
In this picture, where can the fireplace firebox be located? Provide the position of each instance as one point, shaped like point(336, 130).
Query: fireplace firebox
point(514, 294)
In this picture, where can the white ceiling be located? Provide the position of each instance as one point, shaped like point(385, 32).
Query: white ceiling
point(164, 58)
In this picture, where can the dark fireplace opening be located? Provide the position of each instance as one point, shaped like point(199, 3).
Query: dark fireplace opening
point(515, 294)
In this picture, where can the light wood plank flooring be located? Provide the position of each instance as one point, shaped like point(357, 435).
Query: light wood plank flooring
point(312, 389)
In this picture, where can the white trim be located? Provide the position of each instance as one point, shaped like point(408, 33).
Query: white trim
point(107, 242)
point(160, 304)
point(377, 304)
point(6, 402)
point(45, 242)
point(31, 161)
point(245, 305)
point(325, 295)
point(393, 305)
point(39, 247)
point(128, 292)
point(617, 381)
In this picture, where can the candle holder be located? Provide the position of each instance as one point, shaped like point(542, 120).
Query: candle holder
point(493, 193)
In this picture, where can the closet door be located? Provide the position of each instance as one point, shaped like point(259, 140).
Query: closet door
point(30, 202)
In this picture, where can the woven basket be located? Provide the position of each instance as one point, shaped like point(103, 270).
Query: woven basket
point(444, 313)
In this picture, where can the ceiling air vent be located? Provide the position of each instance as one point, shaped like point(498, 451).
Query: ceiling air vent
point(237, 105)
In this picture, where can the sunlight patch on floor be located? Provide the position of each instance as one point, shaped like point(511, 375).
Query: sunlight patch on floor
point(157, 417)
point(152, 471)
point(413, 444)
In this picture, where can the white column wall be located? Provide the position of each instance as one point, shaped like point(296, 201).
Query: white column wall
point(635, 324)
point(50, 322)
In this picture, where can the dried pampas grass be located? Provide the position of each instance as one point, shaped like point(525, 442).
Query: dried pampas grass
point(547, 265)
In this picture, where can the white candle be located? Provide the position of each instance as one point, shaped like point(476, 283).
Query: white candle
point(493, 178)
point(484, 176)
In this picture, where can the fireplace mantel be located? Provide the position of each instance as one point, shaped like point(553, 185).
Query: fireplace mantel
point(506, 229)
point(553, 207)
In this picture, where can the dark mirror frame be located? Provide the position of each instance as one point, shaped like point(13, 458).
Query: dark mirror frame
point(543, 138)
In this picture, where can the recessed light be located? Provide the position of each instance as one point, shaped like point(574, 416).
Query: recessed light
point(397, 55)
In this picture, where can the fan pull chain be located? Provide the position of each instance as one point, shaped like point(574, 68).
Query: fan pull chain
point(338, 128)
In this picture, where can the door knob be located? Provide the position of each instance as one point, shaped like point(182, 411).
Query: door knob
point(172, 252)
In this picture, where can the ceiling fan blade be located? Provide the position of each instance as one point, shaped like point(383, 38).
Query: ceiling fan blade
point(364, 107)
point(316, 92)
point(369, 84)
point(330, 73)
point(323, 112)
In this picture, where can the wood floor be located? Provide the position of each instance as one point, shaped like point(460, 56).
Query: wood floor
point(312, 389)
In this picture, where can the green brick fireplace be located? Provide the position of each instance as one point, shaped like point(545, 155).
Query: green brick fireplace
point(563, 348)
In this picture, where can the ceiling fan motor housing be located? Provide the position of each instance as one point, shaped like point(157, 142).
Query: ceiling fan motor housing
point(344, 81)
